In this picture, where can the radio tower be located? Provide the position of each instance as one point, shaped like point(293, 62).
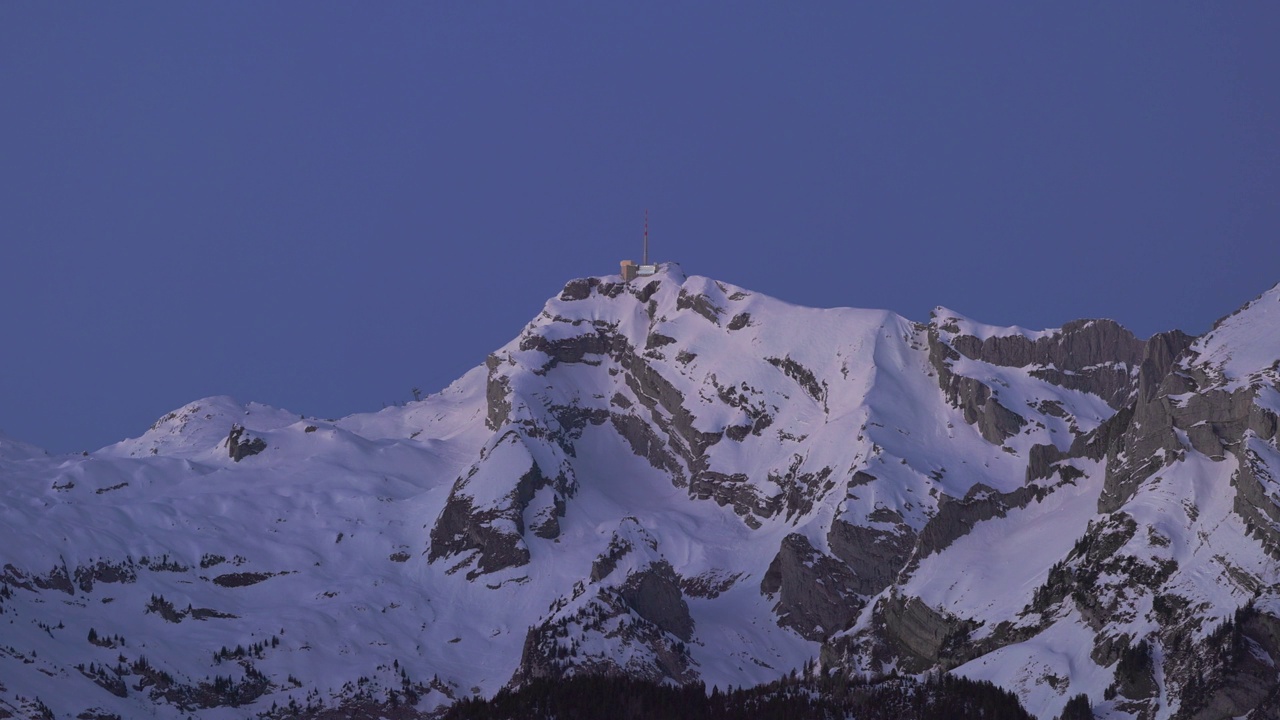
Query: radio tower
point(645, 259)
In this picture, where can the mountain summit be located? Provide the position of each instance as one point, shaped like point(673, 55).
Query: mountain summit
point(675, 479)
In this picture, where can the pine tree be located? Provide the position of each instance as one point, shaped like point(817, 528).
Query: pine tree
point(1077, 708)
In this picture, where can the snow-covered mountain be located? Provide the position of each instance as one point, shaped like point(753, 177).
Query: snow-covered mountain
point(680, 480)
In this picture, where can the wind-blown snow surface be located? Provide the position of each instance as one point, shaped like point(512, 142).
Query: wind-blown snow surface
point(674, 478)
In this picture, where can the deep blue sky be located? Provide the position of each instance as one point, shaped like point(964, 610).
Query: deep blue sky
point(322, 205)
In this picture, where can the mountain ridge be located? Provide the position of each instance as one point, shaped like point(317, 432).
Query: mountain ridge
point(680, 480)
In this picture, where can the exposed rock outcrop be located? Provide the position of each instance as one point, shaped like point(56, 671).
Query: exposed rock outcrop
point(1093, 356)
point(874, 555)
point(920, 637)
point(996, 422)
point(240, 447)
point(655, 595)
point(493, 529)
point(645, 617)
point(956, 517)
point(497, 394)
point(105, 571)
point(817, 595)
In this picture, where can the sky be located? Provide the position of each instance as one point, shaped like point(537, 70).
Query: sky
point(321, 206)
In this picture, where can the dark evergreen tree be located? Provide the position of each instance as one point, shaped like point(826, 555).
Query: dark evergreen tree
point(826, 697)
point(1077, 708)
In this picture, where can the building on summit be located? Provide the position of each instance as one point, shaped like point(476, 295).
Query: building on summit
point(630, 271)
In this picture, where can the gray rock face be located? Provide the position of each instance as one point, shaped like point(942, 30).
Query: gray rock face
point(1112, 382)
point(584, 288)
point(1041, 462)
point(732, 491)
point(56, 579)
point(1220, 419)
point(956, 517)
point(655, 596)
point(240, 447)
point(494, 533)
point(648, 444)
point(1093, 356)
point(875, 556)
point(817, 594)
point(1105, 438)
point(646, 613)
point(1080, 344)
point(654, 391)
point(1214, 421)
point(575, 349)
point(740, 321)
point(803, 377)
point(700, 304)
point(919, 636)
point(579, 289)
point(1255, 501)
point(1146, 444)
point(497, 395)
point(104, 571)
point(565, 425)
point(1161, 351)
point(461, 528)
point(995, 421)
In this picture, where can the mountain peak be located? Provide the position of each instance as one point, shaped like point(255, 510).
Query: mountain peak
point(954, 323)
point(200, 429)
point(1242, 348)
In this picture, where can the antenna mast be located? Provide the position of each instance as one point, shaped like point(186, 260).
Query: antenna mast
point(645, 259)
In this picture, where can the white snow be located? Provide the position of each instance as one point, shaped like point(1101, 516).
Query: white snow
point(1245, 346)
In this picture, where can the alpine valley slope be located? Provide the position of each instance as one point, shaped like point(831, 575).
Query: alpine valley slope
point(680, 480)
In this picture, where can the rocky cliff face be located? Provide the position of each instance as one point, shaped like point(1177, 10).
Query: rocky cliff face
point(681, 480)
point(1177, 552)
